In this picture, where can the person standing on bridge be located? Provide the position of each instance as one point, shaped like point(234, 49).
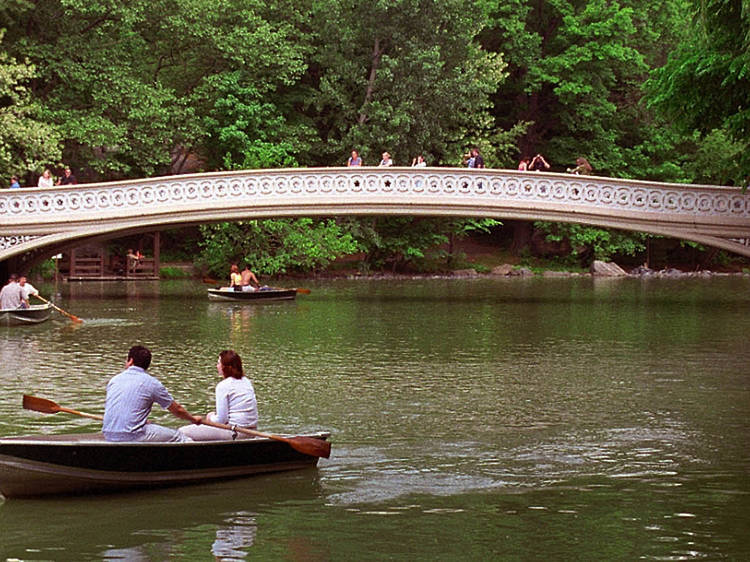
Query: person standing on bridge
point(14, 183)
point(476, 160)
point(539, 164)
point(582, 167)
point(45, 180)
point(68, 178)
point(354, 159)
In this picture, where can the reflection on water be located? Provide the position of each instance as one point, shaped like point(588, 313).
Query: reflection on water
point(233, 541)
point(218, 519)
point(466, 415)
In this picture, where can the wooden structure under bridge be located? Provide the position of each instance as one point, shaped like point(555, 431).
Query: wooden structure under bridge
point(94, 262)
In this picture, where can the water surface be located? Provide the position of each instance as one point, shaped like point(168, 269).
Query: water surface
point(470, 419)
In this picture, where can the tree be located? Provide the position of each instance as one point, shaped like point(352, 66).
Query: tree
point(130, 84)
point(274, 246)
point(27, 144)
point(705, 83)
point(407, 242)
point(405, 76)
point(575, 71)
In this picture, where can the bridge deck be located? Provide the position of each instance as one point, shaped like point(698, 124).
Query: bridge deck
point(51, 218)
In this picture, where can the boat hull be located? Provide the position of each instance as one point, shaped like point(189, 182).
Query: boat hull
point(35, 314)
point(83, 464)
point(226, 294)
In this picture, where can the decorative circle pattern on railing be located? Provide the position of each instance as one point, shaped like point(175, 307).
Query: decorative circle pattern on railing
point(10, 241)
point(487, 187)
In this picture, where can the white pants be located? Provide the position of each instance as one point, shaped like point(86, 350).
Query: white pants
point(207, 433)
point(155, 432)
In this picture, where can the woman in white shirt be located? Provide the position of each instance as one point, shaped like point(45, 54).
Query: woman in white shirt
point(45, 180)
point(235, 402)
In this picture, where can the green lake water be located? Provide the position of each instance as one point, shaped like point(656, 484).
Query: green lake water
point(474, 419)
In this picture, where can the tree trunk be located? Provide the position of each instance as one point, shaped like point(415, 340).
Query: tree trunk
point(522, 232)
point(376, 54)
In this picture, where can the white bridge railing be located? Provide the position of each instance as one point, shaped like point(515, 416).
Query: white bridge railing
point(37, 217)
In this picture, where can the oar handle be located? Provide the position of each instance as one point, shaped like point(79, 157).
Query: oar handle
point(305, 445)
point(58, 309)
point(206, 421)
point(82, 414)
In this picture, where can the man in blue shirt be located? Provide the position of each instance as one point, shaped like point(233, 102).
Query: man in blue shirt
point(130, 396)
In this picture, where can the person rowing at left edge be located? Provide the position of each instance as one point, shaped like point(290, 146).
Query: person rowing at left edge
point(130, 396)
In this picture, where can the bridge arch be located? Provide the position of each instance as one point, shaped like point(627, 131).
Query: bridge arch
point(35, 221)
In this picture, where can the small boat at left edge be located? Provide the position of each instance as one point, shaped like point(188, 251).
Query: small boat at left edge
point(35, 314)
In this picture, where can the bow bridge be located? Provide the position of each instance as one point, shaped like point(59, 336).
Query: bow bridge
point(38, 222)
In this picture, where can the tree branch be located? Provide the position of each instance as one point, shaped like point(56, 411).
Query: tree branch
point(377, 52)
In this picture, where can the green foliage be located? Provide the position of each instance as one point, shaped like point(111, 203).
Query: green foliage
point(705, 82)
point(27, 143)
point(131, 85)
point(45, 270)
point(169, 272)
point(576, 68)
point(590, 243)
point(271, 247)
point(245, 130)
point(405, 76)
point(399, 243)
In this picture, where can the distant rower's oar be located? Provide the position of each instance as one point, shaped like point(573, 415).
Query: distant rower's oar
point(303, 291)
point(306, 445)
point(60, 310)
point(49, 407)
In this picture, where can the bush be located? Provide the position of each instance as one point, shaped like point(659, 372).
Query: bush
point(170, 272)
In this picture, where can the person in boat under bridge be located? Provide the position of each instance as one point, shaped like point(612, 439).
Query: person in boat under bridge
point(248, 280)
point(236, 404)
point(28, 290)
point(11, 295)
point(130, 396)
point(235, 279)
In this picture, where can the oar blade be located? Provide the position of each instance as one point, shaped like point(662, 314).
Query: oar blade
point(40, 404)
point(303, 291)
point(310, 446)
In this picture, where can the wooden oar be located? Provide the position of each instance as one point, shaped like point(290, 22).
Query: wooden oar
point(60, 310)
point(306, 445)
point(299, 290)
point(49, 407)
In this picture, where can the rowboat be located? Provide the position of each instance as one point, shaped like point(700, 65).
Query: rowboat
point(35, 314)
point(261, 295)
point(44, 465)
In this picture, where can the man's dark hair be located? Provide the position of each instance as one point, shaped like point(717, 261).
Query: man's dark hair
point(141, 356)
